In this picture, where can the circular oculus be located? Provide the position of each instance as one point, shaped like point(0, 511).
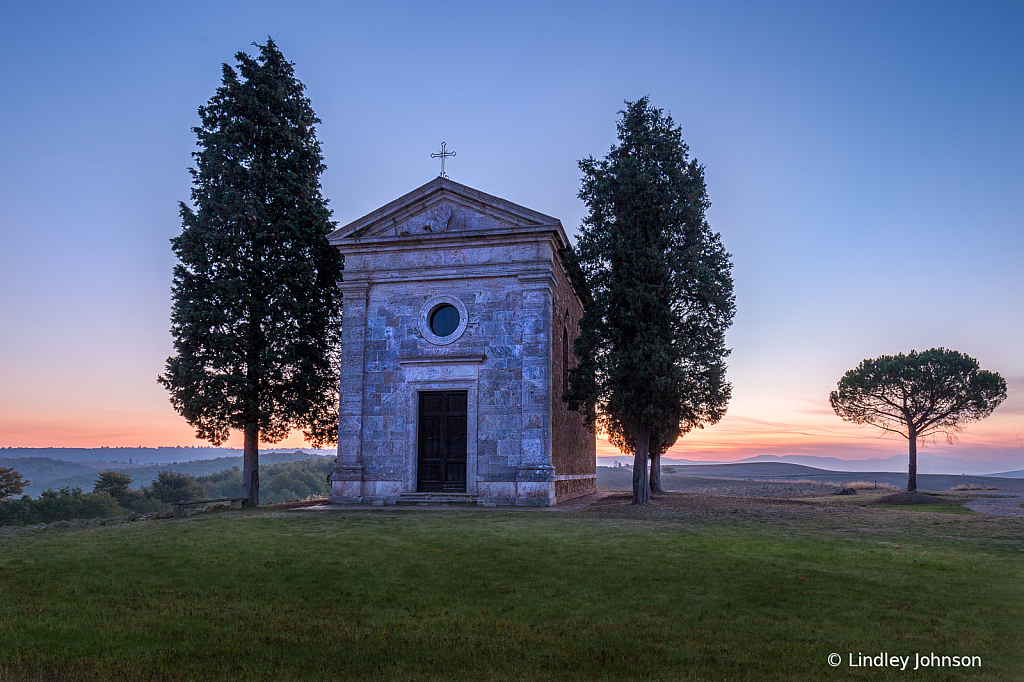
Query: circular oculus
point(444, 320)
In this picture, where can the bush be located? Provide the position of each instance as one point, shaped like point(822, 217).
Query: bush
point(58, 505)
point(278, 483)
point(170, 487)
point(869, 485)
point(16, 512)
point(227, 483)
point(143, 505)
point(296, 481)
point(116, 484)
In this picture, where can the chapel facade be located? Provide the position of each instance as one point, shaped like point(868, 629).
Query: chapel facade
point(457, 338)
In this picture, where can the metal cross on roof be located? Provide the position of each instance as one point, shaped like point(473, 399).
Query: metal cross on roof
point(441, 155)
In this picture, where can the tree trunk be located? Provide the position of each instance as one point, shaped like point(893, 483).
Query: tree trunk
point(251, 465)
point(656, 474)
point(641, 484)
point(912, 474)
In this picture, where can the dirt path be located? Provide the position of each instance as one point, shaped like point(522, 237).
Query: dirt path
point(999, 506)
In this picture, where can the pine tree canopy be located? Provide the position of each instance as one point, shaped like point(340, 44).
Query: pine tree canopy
point(256, 315)
point(918, 395)
point(657, 288)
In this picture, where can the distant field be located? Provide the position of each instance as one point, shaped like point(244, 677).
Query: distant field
point(688, 588)
point(137, 455)
point(620, 478)
point(47, 473)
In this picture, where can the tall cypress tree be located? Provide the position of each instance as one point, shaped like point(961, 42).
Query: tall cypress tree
point(256, 315)
point(658, 295)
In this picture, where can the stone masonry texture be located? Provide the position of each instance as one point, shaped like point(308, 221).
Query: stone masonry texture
point(499, 264)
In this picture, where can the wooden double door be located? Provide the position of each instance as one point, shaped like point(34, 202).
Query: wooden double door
point(441, 465)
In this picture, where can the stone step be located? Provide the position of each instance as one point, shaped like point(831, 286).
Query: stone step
point(437, 498)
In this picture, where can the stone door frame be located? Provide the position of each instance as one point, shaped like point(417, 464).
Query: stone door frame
point(450, 373)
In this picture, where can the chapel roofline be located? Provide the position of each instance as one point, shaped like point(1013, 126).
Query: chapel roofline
point(439, 187)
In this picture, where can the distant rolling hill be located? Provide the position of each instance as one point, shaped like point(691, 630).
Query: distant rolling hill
point(46, 473)
point(927, 463)
point(139, 455)
point(620, 478)
point(38, 470)
point(1010, 474)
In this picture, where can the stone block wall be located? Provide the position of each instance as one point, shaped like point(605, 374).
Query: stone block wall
point(400, 362)
point(499, 264)
point(573, 444)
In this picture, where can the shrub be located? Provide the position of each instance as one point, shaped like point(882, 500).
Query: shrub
point(306, 479)
point(143, 505)
point(16, 512)
point(58, 505)
point(296, 480)
point(71, 503)
point(116, 484)
point(171, 486)
point(228, 483)
point(871, 485)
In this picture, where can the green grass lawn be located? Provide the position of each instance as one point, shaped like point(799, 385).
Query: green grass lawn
point(683, 590)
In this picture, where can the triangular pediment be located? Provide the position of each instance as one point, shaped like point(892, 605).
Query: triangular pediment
point(439, 207)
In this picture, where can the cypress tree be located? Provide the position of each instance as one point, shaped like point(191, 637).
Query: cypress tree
point(658, 294)
point(256, 314)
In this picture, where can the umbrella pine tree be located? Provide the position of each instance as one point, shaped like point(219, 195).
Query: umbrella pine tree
point(918, 396)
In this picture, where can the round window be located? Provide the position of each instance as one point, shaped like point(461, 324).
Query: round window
point(444, 320)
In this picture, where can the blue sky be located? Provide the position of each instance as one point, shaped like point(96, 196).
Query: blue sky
point(863, 160)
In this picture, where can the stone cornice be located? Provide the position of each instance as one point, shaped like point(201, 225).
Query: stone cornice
point(443, 360)
point(354, 287)
point(537, 280)
point(366, 278)
point(448, 240)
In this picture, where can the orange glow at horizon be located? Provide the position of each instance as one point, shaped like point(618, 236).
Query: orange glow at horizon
point(114, 428)
point(732, 439)
point(783, 427)
point(824, 434)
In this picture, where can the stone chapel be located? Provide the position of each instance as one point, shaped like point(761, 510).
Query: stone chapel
point(457, 337)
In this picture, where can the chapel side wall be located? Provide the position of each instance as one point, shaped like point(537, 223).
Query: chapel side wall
point(574, 445)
